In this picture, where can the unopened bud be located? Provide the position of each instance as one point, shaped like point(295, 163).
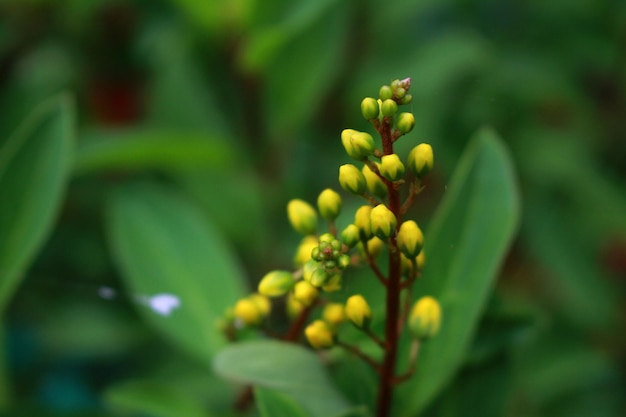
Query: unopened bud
point(276, 283)
point(425, 318)
point(410, 239)
point(334, 314)
point(333, 283)
point(308, 268)
point(302, 217)
point(358, 311)
point(385, 93)
point(369, 108)
point(362, 220)
point(420, 159)
point(388, 108)
point(305, 292)
point(350, 235)
point(294, 307)
point(343, 261)
point(374, 246)
point(329, 204)
point(375, 185)
point(407, 99)
point(303, 254)
point(248, 312)
point(405, 122)
point(319, 277)
point(383, 221)
point(391, 167)
point(363, 144)
point(351, 179)
point(319, 335)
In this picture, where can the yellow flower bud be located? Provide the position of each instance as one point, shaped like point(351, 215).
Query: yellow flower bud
point(276, 283)
point(405, 122)
point(320, 335)
point(358, 311)
point(302, 217)
point(391, 167)
point(420, 159)
point(252, 309)
point(303, 253)
point(374, 246)
point(351, 179)
point(383, 221)
point(421, 259)
point(410, 239)
point(334, 314)
point(407, 265)
point(333, 284)
point(294, 307)
point(358, 145)
point(262, 302)
point(388, 108)
point(385, 93)
point(346, 135)
point(363, 221)
point(425, 318)
point(350, 235)
point(369, 108)
point(374, 184)
point(304, 292)
point(319, 277)
point(329, 204)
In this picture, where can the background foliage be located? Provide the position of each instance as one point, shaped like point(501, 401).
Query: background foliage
point(222, 112)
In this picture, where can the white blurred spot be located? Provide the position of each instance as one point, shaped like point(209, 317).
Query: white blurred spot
point(163, 304)
point(107, 293)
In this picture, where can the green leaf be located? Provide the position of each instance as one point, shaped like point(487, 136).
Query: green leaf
point(34, 166)
point(154, 398)
point(466, 243)
point(273, 403)
point(164, 246)
point(287, 368)
point(157, 149)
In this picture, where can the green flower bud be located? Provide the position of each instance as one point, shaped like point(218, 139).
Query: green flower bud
point(302, 217)
point(369, 108)
point(333, 284)
point(308, 269)
point(375, 185)
point(363, 221)
point(305, 292)
point(388, 108)
point(420, 159)
point(405, 122)
point(343, 261)
point(351, 179)
point(326, 238)
point(276, 283)
point(385, 93)
point(391, 167)
point(374, 246)
point(407, 99)
point(400, 93)
point(320, 335)
point(350, 235)
point(425, 318)
point(329, 204)
point(303, 253)
point(358, 311)
point(319, 277)
point(383, 221)
point(410, 239)
point(334, 314)
point(363, 143)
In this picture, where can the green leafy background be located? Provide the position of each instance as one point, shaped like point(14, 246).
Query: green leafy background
point(150, 147)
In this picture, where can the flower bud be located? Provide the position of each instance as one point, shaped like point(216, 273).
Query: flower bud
point(343, 261)
point(248, 312)
point(362, 220)
point(407, 99)
point(262, 302)
point(421, 259)
point(329, 204)
point(358, 311)
point(374, 184)
point(302, 217)
point(410, 239)
point(388, 108)
point(334, 314)
point(391, 167)
point(320, 335)
point(319, 277)
point(308, 268)
point(374, 246)
point(420, 159)
point(383, 221)
point(294, 307)
point(363, 144)
point(425, 318)
point(351, 179)
point(400, 92)
point(405, 122)
point(369, 108)
point(276, 283)
point(303, 253)
point(385, 93)
point(305, 292)
point(350, 235)
point(333, 283)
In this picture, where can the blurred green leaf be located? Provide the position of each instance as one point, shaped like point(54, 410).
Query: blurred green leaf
point(157, 149)
point(154, 398)
point(273, 403)
point(284, 367)
point(466, 244)
point(34, 166)
point(164, 246)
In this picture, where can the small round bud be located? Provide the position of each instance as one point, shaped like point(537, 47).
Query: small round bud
point(329, 204)
point(421, 259)
point(394, 84)
point(262, 302)
point(333, 284)
point(248, 312)
point(319, 277)
point(326, 238)
point(400, 93)
point(362, 220)
point(305, 292)
point(350, 235)
point(374, 246)
point(358, 311)
point(276, 283)
point(304, 251)
point(308, 269)
point(405, 122)
point(389, 108)
point(420, 159)
point(375, 185)
point(363, 144)
point(385, 93)
point(425, 318)
point(343, 261)
point(320, 335)
point(302, 217)
point(351, 179)
point(407, 99)
point(391, 167)
point(334, 314)
point(383, 221)
point(410, 239)
point(294, 307)
point(369, 108)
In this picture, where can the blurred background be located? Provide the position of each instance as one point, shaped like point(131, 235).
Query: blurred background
point(239, 105)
